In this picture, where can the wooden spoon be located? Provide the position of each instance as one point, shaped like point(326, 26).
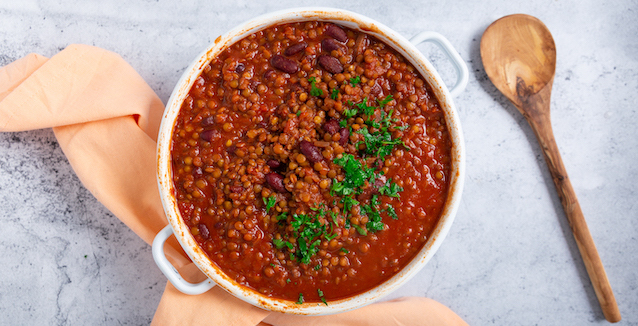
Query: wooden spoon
point(519, 56)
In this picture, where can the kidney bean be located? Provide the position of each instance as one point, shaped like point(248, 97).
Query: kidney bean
point(269, 74)
point(312, 153)
point(276, 181)
point(219, 225)
point(284, 64)
point(240, 68)
point(329, 45)
point(331, 127)
point(273, 164)
point(361, 44)
point(345, 136)
point(203, 230)
point(331, 64)
point(296, 48)
point(336, 32)
point(210, 135)
point(207, 122)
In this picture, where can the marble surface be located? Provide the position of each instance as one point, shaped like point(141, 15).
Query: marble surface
point(509, 259)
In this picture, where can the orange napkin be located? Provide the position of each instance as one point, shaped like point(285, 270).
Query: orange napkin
point(106, 119)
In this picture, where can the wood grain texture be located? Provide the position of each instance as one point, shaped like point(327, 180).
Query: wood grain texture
point(519, 56)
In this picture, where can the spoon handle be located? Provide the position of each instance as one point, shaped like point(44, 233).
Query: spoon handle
point(540, 122)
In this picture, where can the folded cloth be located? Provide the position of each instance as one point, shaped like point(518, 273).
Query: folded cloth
point(106, 120)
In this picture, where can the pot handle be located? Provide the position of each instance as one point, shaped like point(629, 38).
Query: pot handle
point(462, 74)
point(169, 270)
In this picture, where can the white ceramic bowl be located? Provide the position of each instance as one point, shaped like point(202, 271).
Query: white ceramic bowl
point(180, 229)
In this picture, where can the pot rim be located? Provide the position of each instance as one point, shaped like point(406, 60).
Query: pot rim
point(350, 20)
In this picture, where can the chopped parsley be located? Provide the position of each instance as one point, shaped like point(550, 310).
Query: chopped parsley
point(385, 101)
point(378, 143)
point(359, 229)
point(344, 250)
point(270, 202)
point(349, 113)
point(282, 216)
point(355, 80)
point(335, 94)
point(298, 112)
point(363, 106)
point(392, 213)
point(300, 301)
point(321, 296)
point(314, 90)
point(355, 175)
point(390, 189)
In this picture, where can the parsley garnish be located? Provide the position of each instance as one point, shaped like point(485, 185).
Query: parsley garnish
point(385, 101)
point(355, 175)
point(392, 213)
point(321, 296)
point(298, 113)
point(335, 94)
point(355, 80)
point(359, 229)
point(314, 90)
point(270, 202)
point(282, 216)
point(390, 189)
point(288, 280)
point(349, 113)
point(363, 106)
point(344, 250)
point(300, 301)
point(318, 267)
point(378, 143)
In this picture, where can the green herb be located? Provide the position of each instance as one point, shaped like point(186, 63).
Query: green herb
point(355, 80)
point(343, 123)
point(334, 217)
point(344, 250)
point(390, 189)
point(318, 267)
point(359, 229)
point(321, 296)
point(348, 203)
point(379, 143)
point(385, 101)
point(349, 113)
point(330, 237)
point(314, 90)
point(363, 106)
point(270, 202)
point(335, 94)
point(355, 175)
point(300, 301)
point(402, 127)
point(298, 113)
point(279, 243)
point(392, 213)
point(288, 280)
point(282, 216)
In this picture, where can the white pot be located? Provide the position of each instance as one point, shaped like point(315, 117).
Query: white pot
point(181, 230)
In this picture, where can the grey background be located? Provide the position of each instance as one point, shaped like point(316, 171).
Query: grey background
point(509, 259)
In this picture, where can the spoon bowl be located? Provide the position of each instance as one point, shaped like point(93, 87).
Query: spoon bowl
point(525, 60)
point(519, 56)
